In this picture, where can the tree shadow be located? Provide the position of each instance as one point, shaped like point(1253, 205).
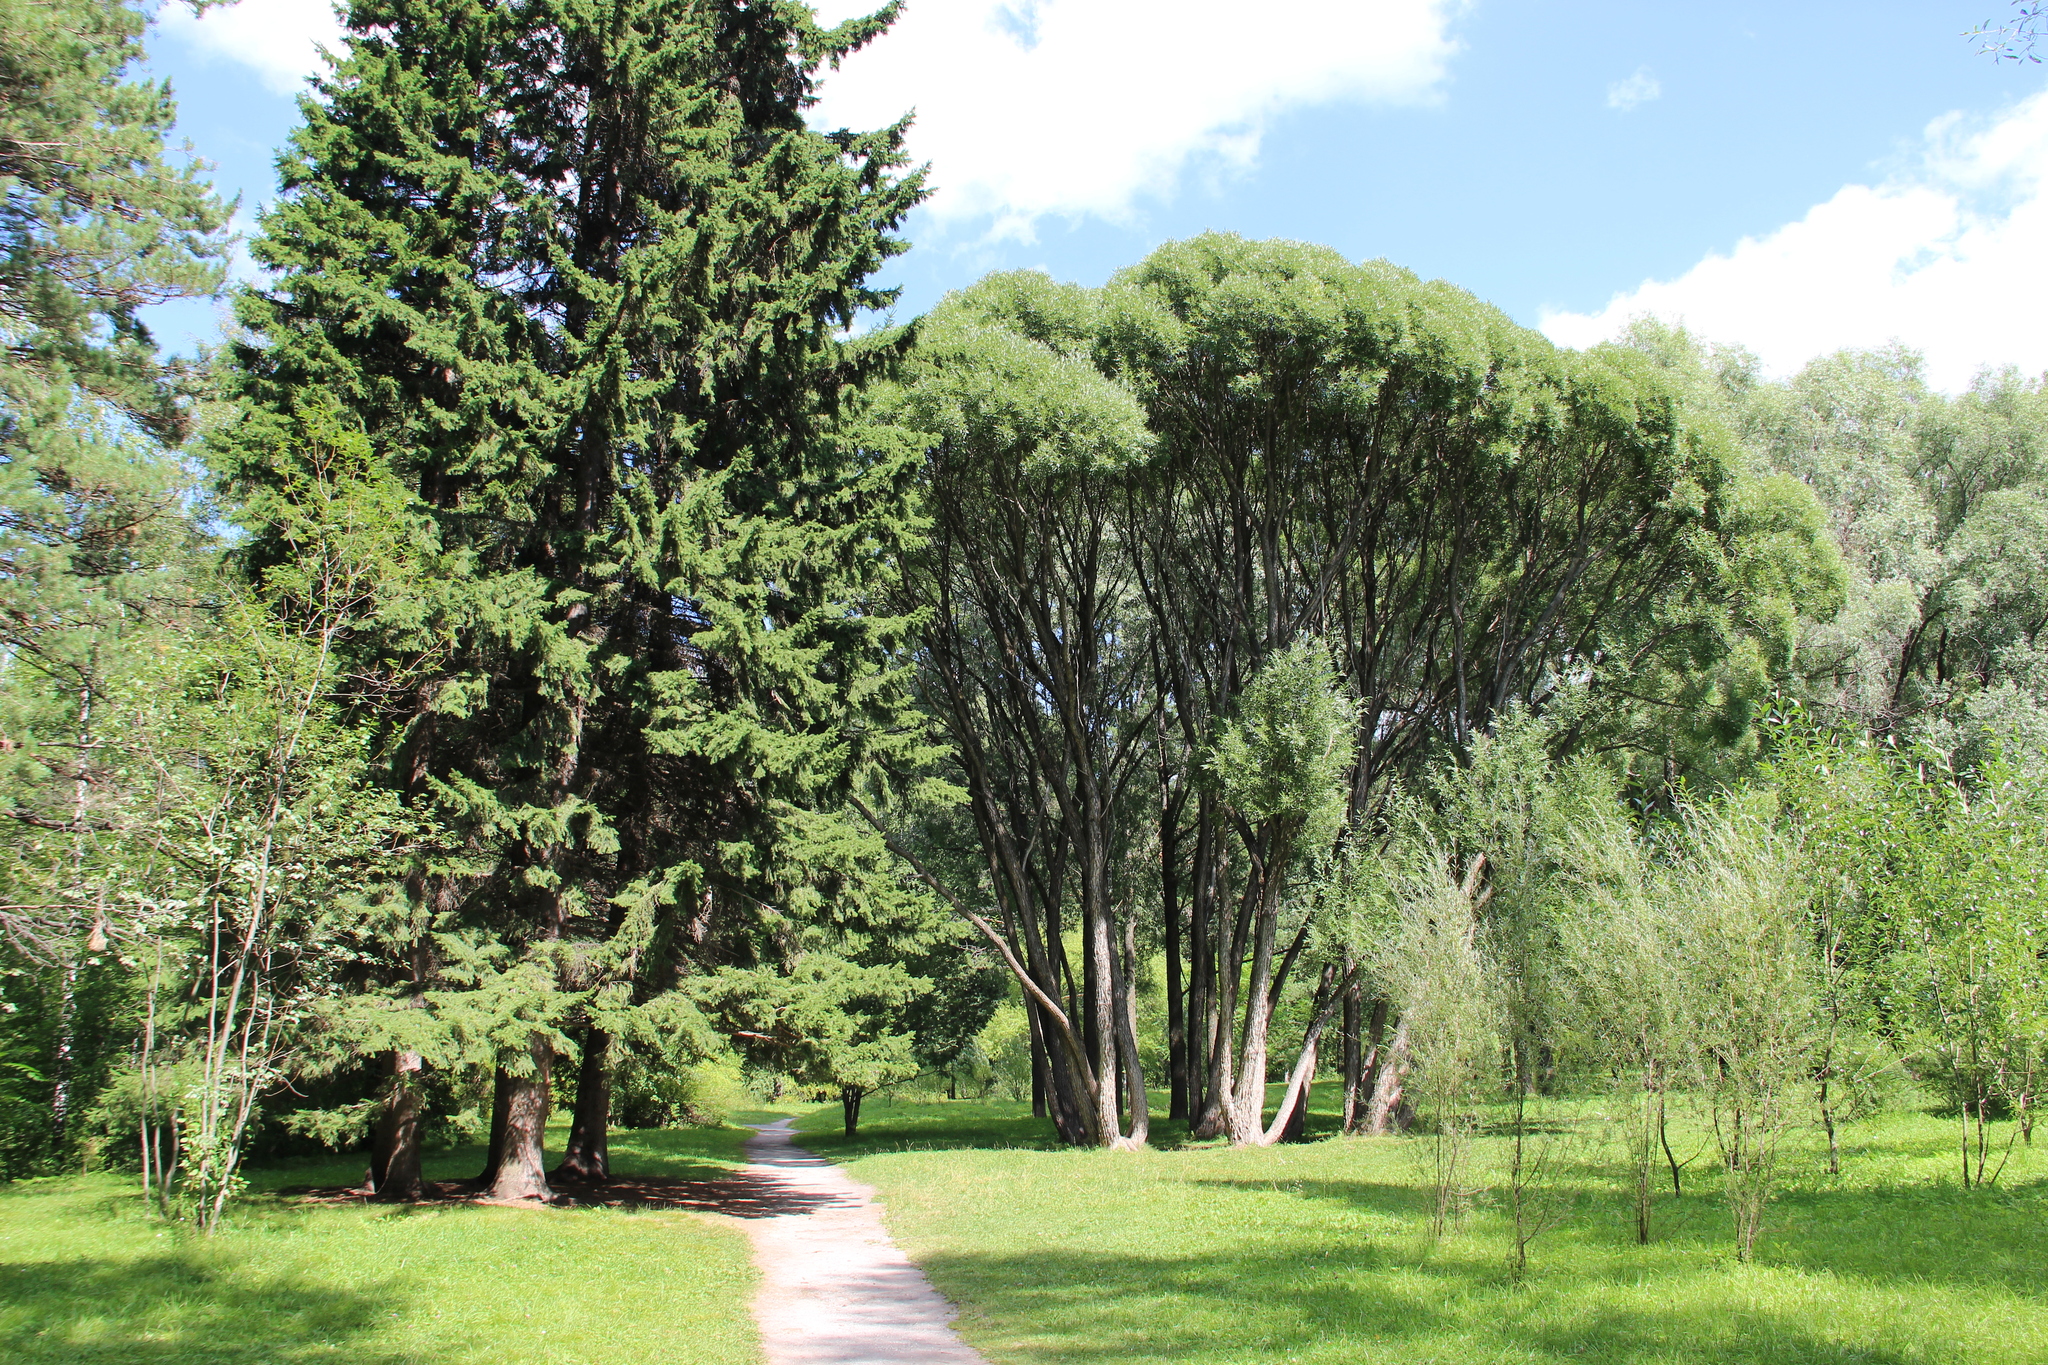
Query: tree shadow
point(908, 1130)
point(1917, 1235)
point(1911, 1235)
point(175, 1306)
point(1294, 1300)
point(740, 1195)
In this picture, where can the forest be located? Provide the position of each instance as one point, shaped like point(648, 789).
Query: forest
point(575, 662)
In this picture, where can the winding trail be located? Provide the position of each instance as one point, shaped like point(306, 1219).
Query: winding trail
point(835, 1290)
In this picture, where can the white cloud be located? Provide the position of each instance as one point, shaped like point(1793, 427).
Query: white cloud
point(1035, 107)
point(1945, 257)
point(1076, 107)
point(279, 39)
point(1640, 88)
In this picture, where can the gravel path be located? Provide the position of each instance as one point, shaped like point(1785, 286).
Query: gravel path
point(834, 1289)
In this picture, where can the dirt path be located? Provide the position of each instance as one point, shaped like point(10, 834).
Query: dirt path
point(834, 1289)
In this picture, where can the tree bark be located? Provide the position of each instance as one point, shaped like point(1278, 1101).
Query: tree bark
point(1037, 1065)
point(587, 1156)
point(1389, 1109)
point(501, 1108)
point(1123, 973)
point(849, 1107)
point(1295, 1128)
point(395, 1155)
point(1353, 1064)
point(521, 1160)
point(1176, 1000)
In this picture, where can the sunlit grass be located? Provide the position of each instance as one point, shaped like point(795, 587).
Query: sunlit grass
point(87, 1276)
point(1316, 1252)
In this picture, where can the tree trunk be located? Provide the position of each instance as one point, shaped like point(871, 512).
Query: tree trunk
point(67, 1015)
point(1123, 976)
point(1037, 1064)
point(1246, 1114)
point(1354, 1055)
point(588, 1154)
point(395, 1156)
point(522, 1164)
point(1102, 1041)
point(1176, 1000)
point(1389, 1111)
point(501, 1108)
point(849, 1107)
point(1295, 1129)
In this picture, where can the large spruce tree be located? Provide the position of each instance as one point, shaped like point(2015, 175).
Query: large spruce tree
point(581, 272)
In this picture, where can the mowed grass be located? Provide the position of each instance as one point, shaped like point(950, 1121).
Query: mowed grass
point(1318, 1253)
point(87, 1276)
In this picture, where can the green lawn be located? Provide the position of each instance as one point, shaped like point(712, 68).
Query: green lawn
point(1190, 1253)
point(1316, 1253)
point(86, 1276)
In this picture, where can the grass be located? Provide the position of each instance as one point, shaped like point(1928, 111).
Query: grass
point(1190, 1253)
point(1316, 1253)
point(86, 1276)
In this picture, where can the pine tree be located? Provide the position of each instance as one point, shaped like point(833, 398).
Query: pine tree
point(95, 518)
point(579, 271)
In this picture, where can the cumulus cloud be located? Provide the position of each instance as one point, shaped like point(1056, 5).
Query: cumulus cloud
point(278, 39)
point(1085, 107)
point(1640, 88)
point(1944, 256)
point(1034, 107)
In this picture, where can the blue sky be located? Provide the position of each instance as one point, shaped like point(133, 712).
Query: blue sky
point(1793, 177)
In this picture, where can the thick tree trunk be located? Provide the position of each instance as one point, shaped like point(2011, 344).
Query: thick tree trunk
point(395, 1154)
point(849, 1107)
point(587, 1156)
point(501, 1108)
point(1102, 1050)
point(1389, 1111)
point(522, 1164)
point(1247, 1112)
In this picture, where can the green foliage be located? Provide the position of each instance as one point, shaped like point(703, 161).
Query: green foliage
point(825, 1022)
point(1286, 751)
point(95, 224)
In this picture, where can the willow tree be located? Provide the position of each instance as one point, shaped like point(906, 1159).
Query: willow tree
point(1468, 515)
point(580, 271)
point(1035, 660)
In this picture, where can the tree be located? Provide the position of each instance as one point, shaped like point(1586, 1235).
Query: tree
point(97, 533)
point(1033, 659)
point(578, 274)
point(1470, 517)
point(827, 1022)
point(96, 226)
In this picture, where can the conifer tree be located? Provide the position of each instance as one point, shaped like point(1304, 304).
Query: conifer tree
point(579, 271)
point(95, 519)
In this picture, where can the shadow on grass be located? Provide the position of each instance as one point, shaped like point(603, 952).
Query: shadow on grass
point(1292, 1301)
point(652, 1168)
point(952, 1126)
point(175, 1306)
point(1916, 1235)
